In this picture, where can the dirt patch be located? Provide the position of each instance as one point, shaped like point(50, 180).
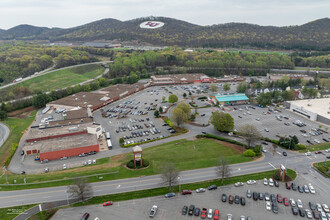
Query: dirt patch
point(237, 148)
point(118, 160)
point(21, 113)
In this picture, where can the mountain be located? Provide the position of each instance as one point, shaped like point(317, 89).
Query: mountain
point(312, 35)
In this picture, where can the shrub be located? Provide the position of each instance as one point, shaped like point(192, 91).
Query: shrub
point(257, 150)
point(192, 117)
point(225, 139)
point(249, 153)
point(199, 136)
point(300, 147)
point(130, 164)
point(203, 97)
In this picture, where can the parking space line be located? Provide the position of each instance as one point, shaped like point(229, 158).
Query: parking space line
point(272, 166)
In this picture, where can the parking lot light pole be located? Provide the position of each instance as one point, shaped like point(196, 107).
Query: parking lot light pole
point(179, 177)
point(67, 197)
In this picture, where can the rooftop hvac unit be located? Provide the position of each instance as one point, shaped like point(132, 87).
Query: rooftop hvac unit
point(85, 103)
point(84, 96)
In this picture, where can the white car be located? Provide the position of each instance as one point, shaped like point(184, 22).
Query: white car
point(200, 190)
point(292, 202)
point(271, 182)
point(317, 141)
point(89, 162)
point(299, 203)
point(318, 207)
point(239, 184)
point(325, 207)
point(311, 188)
point(265, 181)
point(229, 217)
point(308, 153)
point(96, 218)
point(308, 213)
point(210, 213)
point(323, 216)
point(250, 182)
point(242, 217)
point(266, 129)
point(268, 206)
point(64, 166)
point(327, 150)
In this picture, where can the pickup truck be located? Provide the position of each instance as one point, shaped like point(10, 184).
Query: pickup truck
point(153, 211)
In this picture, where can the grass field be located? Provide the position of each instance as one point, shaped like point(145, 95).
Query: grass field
point(17, 127)
point(62, 78)
point(317, 147)
point(182, 153)
point(323, 167)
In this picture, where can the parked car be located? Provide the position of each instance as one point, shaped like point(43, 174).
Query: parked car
point(299, 203)
point(197, 211)
point(316, 214)
point(108, 203)
point(285, 201)
point(271, 182)
point(292, 202)
point(287, 185)
point(212, 187)
point(239, 184)
point(255, 196)
point(210, 213)
point(184, 210)
point(276, 183)
point(216, 215)
point(308, 213)
point(284, 153)
point(231, 199)
point(293, 186)
point(248, 193)
point(268, 206)
point(191, 210)
point(275, 207)
point(301, 212)
point(242, 199)
point(169, 195)
point(200, 190)
point(203, 213)
point(229, 217)
point(186, 191)
point(306, 190)
point(318, 207)
point(236, 199)
point(325, 207)
point(267, 198)
point(153, 211)
point(250, 182)
point(224, 197)
point(312, 206)
point(311, 188)
point(300, 189)
point(279, 198)
point(265, 181)
point(85, 216)
point(294, 210)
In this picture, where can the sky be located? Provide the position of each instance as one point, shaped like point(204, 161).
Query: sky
point(71, 13)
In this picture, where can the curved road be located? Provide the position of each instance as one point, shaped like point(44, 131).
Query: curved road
point(4, 133)
point(298, 162)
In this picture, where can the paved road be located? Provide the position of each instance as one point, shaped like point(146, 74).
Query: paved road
point(298, 162)
point(4, 133)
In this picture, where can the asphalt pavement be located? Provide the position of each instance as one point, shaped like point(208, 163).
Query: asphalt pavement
point(4, 133)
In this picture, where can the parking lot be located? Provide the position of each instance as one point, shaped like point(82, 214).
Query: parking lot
point(170, 208)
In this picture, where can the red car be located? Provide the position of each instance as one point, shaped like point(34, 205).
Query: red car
point(286, 201)
point(318, 152)
point(216, 214)
point(279, 198)
point(204, 213)
point(186, 191)
point(288, 185)
point(107, 203)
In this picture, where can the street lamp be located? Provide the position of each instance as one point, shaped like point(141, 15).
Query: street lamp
point(67, 197)
point(179, 177)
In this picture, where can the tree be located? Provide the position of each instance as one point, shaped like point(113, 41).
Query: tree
point(250, 133)
point(185, 107)
point(241, 88)
point(184, 95)
point(223, 169)
point(222, 121)
point(40, 100)
point(121, 141)
point(3, 115)
point(169, 174)
point(80, 189)
point(163, 99)
point(226, 87)
point(172, 98)
point(160, 109)
point(213, 87)
point(156, 113)
point(178, 116)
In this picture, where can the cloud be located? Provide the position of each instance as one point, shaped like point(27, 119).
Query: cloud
point(70, 13)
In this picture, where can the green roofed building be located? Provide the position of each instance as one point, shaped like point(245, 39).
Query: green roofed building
point(238, 98)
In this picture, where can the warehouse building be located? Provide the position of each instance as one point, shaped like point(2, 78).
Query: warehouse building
point(313, 109)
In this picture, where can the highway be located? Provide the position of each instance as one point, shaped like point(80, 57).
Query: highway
point(4, 133)
point(295, 161)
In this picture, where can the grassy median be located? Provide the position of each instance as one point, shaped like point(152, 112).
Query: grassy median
point(186, 155)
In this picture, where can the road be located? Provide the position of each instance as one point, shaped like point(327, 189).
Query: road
point(4, 133)
point(298, 162)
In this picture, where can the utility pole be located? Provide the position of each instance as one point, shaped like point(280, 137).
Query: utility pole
point(4, 170)
point(194, 152)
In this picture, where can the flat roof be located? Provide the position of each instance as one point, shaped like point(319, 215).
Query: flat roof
point(178, 77)
point(74, 114)
point(118, 89)
point(63, 143)
point(318, 106)
point(81, 99)
point(231, 98)
point(45, 132)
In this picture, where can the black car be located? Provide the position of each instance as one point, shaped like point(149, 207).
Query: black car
point(301, 212)
point(261, 196)
point(191, 210)
point(294, 210)
point(224, 198)
point(184, 210)
point(303, 131)
point(85, 216)
point(326, 140)
point(293, 186)
point(197, 211)
point(212, 187)
point(312, 206)
point(308, 141)
point(255, 196)
point(272, 198)
point(284, 153)
point(300, 189)
point(236, 199)
point(23, 172)
point(242, 200)
point(274, 207)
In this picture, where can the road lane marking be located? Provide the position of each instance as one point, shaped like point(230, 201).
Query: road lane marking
point(272, 166)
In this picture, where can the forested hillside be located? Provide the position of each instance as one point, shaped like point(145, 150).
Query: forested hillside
point(24, 59)
point(313, 35)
